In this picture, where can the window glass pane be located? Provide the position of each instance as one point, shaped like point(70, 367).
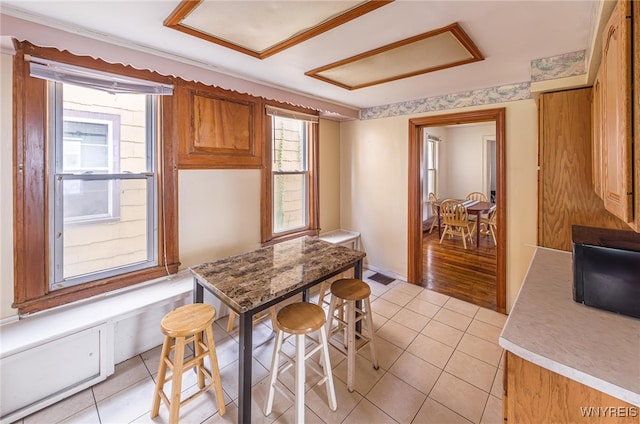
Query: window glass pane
point(85, 146)
point(289, 202)
point(430, 155)
point(100, 245)
point(103, 132)
point(85, 200)
point(289, 144)
point(431, 181)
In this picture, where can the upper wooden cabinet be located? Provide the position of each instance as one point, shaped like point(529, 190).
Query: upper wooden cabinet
point(596, 136)
point(566, 196)
point(617, 181)
point(217, 128)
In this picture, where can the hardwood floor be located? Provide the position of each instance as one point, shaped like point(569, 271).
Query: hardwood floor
point(469, 275)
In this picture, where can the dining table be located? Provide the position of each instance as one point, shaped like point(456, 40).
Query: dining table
point(251, 282)
point(474, 207)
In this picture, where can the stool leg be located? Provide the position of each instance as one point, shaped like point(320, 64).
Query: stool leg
point(345, 333)
point(326, 364)
point(300, 377)
point(322, 294)
point(215, 372)
point(274, 319)
point(197, 342)
point(372, 345)
point(176, 381)
point(230, 321)
point(351, 343)
point(160, 378)
point(330, 317)
point(268, 404)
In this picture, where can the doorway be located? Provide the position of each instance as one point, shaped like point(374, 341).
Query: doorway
point(415, 207)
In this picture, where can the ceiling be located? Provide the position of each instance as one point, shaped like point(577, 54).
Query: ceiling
point(508, 34)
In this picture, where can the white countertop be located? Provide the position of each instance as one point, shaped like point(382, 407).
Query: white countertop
point(548, 328)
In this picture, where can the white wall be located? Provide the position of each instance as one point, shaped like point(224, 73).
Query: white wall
point(461, 160)
point(219, 213)
point(374, 188)
point(6, 187)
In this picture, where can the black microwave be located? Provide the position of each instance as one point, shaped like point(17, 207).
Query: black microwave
point(606, 269)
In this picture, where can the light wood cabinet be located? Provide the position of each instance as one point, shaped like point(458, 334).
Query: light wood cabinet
point(596, 136)
point(635, 106)
point(532, 394)
point(616, 147)
point(566, 195)
point(217, 128)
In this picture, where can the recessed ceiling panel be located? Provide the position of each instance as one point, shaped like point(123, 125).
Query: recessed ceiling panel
point(434, 50)
point(263, 28)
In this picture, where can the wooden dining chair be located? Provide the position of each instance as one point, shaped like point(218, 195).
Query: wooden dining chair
point(477, 195)
point(434, 210)
point(455, 219)
point(488, 225)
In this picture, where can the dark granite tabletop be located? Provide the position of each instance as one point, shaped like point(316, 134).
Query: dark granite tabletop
point(248, 280)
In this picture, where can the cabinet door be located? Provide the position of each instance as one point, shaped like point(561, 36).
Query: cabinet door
point(217, 128)
point(596, 134)
point(617, 182)
point(538, 395)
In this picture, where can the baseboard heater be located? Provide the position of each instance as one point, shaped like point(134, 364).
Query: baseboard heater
point(44, 374)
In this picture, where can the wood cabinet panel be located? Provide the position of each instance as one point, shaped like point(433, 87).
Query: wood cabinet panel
point(221, 126)
point(566, 196)
point(218, 128)
point(617, 184)
point(596, 136)
point(537, 395)
point(636, 111)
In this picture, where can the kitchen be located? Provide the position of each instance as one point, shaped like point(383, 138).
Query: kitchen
point(370, 158)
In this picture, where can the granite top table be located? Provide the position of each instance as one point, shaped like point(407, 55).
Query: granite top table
point(597, 348)
point(254, 281)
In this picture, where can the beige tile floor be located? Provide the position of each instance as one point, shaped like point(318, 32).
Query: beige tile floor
point(439, 363)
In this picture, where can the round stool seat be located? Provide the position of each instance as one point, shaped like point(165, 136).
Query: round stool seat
point(187, 320)
point(301, 318)
point(350, 289)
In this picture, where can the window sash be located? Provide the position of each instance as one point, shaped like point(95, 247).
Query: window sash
point(281, 170)
point(304, 202)
point(56, 208)
point(430, 173)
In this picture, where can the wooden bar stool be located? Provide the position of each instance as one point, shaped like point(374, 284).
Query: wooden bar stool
point(184, 325)
point(299, 320)
point(344, 295)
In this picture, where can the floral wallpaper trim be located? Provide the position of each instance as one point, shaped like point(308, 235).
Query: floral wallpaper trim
point(561, 66)
point(500, 94)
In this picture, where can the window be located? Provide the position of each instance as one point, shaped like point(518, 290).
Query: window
point(96, 234)
point(290, 187)
point(430, 168)
point(95, 204)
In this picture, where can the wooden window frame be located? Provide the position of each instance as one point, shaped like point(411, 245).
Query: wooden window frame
point(30, 184)
point(266, 201)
